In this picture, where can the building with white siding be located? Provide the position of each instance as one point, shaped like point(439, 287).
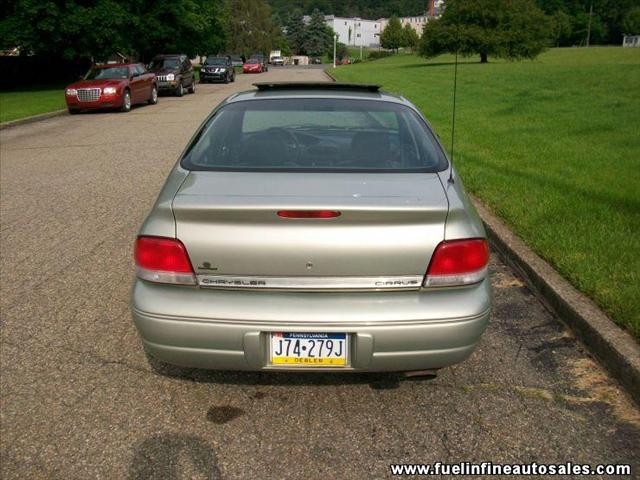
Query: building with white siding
point(356, 32)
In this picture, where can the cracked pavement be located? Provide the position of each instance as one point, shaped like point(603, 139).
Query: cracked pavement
point(79, 400)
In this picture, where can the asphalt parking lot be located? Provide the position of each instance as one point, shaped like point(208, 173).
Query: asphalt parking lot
point(78, 399)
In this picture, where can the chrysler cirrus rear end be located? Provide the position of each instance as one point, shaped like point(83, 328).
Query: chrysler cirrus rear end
point(312, 228)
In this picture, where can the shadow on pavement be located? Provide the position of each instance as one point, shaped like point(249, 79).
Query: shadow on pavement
point(166, 455)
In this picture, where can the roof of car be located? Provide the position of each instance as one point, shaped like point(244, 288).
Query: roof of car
point(316, 90)
point(107, 65)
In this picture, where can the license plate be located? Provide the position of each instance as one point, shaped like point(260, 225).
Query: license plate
point(309, 349)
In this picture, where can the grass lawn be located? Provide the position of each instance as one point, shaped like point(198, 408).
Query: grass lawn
point(553, 147)
point(25, 103)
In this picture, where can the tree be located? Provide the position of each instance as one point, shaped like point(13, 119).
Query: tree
point(296, 32)
point(342, 51)
point(631, 22)
point(319, 37)
point(179, 26)
point(96, 29)
point(607, 19)
point(392, 36)
point(278, 38)
point(561, 27)
point(410, 37)
point(250, 27)
point(512, 29)
point(66, 30)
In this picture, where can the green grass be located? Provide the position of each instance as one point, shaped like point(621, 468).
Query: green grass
point(553, 147)
point(25, 103)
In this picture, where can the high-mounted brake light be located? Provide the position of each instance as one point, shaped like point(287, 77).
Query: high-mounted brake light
point(309, 213)
point(163, 260)
point(458, 262)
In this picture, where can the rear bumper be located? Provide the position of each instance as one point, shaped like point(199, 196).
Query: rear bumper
point(389, 331)
point(166, 86)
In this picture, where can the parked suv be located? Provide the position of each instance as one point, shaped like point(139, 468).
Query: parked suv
point(112, 86)
point(217, 69)
point(174, 74)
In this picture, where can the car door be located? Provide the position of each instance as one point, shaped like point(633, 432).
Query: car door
point(187, 71)
point(146, 78)
point(136, 84)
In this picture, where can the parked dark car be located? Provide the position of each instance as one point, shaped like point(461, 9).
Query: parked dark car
point(217, 69)
point(174, 73)
point(236, 60)
point(112, 86)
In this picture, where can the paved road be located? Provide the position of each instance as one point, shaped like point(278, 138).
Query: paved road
point(78, 399)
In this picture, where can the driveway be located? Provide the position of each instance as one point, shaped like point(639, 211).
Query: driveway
point(78, 399)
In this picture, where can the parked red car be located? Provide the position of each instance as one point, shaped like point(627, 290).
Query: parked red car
point(112, 86)
point(253, 65)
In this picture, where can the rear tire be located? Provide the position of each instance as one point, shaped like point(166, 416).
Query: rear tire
point(192, 87)
point(126, 101)
point(179, 90)
point(153, 99)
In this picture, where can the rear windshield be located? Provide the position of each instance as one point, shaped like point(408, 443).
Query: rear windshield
point(316, 134)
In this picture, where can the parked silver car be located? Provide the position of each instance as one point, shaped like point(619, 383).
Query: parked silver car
point(312, 226)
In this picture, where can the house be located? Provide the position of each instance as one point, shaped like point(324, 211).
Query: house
point(299, 60)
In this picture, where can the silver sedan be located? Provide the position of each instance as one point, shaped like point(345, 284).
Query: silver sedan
point(312, 227)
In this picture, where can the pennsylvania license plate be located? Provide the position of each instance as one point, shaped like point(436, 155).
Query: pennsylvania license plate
point(309, 349)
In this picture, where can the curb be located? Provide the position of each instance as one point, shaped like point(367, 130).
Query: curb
point(32, 119)
point(331, 77)
point(616, 349)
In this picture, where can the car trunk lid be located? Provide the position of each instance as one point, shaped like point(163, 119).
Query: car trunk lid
point(388, 227)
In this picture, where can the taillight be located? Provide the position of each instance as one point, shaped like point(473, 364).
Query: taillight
point(163, 260)
point(458, 262)
point(308, 213)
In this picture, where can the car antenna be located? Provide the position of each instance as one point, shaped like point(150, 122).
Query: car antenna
point(455, 85)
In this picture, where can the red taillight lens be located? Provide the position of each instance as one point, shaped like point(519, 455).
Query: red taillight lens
point(163, 260)
point(309, 213)
point(458, 262)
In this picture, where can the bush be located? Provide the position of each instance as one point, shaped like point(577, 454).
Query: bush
point(377, 54)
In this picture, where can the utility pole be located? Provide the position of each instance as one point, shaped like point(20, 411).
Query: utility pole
point(589, 25)
point(335, 39)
